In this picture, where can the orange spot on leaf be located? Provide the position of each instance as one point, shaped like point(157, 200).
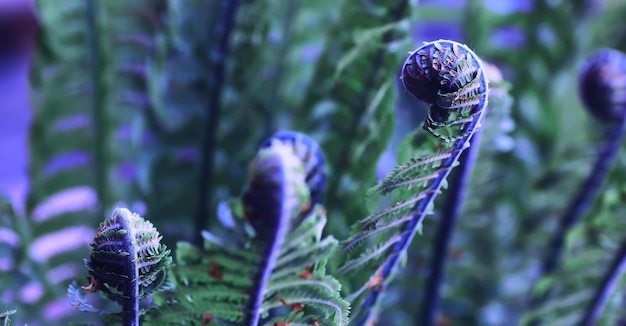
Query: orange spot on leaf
point(306, 275)
point(216, 271)
point(281, 324)
point(376, 280)
point(295, 306)
point(93, 286)
point(206, 319)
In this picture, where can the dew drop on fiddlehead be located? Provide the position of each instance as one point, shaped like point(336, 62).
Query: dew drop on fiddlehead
point(449, 76)
point(603, 84)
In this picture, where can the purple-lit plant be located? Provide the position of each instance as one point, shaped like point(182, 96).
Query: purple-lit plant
point(450, 77)
point(603, 91)
point(127, 264)
point(271, 269)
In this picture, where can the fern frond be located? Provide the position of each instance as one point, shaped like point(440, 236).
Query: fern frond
point(601, 92)
point(588, 289)
point(347, 99)
point(127, 263)
point(282, 265)
point(450, 77)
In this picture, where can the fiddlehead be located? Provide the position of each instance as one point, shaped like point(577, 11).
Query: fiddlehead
point(604, 94)
point(281, 262)
point(449, 76)
point(127, 263)
point(311, 155)
point(605, 99)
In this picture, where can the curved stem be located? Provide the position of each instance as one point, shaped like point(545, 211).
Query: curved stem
point(580, 205)
point(603, 292)
point(410, 229)
point(276, 209)
point(130, 306)
point(584, 198)
point(97, 72)
point(211, 123)
point(443, 239)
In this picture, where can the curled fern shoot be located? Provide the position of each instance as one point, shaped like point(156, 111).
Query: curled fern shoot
point(127, 263)
point(450, 77)
point(277, 274)
point(605, 99)
point(603, 92)
point(310, 153)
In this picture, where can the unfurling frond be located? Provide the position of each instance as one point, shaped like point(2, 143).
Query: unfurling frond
point(450, 77)
point(127, 263)
point(277, 275)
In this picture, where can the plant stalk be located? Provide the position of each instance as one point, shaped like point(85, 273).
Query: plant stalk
point(584, 198)
point(445, 230)
point(604, 291)
point(218, 59)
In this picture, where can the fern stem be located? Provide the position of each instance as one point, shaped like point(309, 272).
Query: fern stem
point(411, 228)
point(581, 202)
point(97, 68)
point(218, 59)
point(272, 232)
point(603, 292)
point(445, 230)
point(130, 306)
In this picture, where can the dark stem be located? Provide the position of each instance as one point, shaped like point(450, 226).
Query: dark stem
point(218, 58)
point(445, 230)
point(584, 198)
point(278, 73)
point(579, 206)
point(271, 234)
point(410, 229)
point(130, 306)
point(97, 71)
point(609, 281)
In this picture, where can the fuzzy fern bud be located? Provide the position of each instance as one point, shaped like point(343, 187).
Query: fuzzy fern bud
point(311, 155)
point(603, 84)
point(127, 263)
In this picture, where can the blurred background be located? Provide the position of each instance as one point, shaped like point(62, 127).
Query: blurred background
point(159, 106)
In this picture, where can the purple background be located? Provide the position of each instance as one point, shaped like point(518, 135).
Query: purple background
point(17, 26)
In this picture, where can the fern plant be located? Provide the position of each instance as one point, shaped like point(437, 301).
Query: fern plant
point(450, 77)
point(349, 96)
point(558, 296)
point(441, 270)
point(279, 260)
point(70, 155)
point(127, 263)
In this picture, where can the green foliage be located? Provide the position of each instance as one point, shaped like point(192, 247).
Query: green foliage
point(281, 264)
point(123, 89)
point(592, 247)
point(349, 97)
